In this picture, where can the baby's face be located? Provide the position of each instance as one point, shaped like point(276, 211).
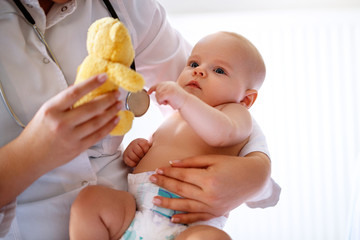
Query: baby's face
point(216, 70)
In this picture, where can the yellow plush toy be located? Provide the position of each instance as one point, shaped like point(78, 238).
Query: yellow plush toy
point(111, 52)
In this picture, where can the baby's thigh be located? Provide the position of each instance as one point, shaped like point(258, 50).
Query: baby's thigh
point(105, 208)
point(200, 232)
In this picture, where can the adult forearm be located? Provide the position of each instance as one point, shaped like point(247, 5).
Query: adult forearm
point(56, 135)
point(18, 170)
point(255, 172)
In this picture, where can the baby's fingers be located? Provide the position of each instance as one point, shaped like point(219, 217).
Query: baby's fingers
point(129, 162)
point(144, 145)
point(152, 89)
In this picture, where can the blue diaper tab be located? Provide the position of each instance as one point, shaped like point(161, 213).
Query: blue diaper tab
point(165, 211)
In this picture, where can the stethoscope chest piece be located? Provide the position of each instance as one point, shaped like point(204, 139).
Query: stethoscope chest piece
point(137, 102)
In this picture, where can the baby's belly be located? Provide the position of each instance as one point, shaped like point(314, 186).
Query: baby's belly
point(160, 157)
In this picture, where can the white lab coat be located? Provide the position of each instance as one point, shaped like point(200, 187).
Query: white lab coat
point(30, 78)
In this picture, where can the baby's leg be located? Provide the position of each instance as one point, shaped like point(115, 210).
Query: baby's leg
point(200, 232)
point(101, 213)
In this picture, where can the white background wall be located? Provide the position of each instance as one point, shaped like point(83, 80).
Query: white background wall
point(216, 6)
point(308, 108)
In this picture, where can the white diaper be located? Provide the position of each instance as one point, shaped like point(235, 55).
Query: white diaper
point(152, 222)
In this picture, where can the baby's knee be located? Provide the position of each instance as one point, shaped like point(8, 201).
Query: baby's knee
point(201, 232)
point(85, 200)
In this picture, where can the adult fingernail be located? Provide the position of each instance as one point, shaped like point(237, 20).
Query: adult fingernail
point(175, 220)
point(174, 161)
point(159, 171)
point(153, 179)
point(116, 121)
point(156, 201)
point(102, 77)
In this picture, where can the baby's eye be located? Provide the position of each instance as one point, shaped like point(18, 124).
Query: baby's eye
point(219, 71)
point(193, 64)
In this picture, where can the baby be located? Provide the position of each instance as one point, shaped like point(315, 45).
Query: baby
point(211, 97)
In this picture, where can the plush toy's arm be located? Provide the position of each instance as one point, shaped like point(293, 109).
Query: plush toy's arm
point(125, 77)
point(92, 66)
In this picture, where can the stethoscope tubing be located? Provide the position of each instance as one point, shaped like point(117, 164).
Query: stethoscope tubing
point(32, 22)
point(9, 108)
point(41, 37)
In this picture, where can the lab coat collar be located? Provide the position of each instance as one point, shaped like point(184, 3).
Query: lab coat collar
point(57, 12)
point(60, 11)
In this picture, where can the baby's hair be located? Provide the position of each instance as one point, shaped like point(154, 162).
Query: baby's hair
point(256, 64)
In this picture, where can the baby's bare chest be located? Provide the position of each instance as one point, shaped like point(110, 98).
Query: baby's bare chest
point(176, 133)
point(175, 140)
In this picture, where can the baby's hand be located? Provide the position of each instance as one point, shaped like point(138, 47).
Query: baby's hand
point(169, 93)
point(135, 151)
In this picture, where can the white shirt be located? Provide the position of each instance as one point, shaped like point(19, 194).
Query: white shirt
point(29, 78)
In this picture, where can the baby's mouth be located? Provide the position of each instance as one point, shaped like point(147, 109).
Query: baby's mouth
point(194, 84)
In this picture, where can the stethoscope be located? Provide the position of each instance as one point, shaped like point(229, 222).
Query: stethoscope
point(137, 102)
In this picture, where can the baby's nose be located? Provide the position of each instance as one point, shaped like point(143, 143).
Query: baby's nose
point(199, 71)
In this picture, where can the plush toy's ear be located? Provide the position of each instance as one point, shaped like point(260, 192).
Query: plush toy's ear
point(92, 32)
point(123, 51)
point(250, 97)
point(117, 31)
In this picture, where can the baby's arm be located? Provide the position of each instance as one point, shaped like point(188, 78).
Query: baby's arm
point(223, 125)
point(135, 151)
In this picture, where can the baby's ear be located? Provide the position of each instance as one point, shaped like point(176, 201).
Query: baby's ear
point(250, 97)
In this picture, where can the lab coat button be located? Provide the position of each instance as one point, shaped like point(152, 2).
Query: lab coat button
point(64, 8)
point(46, 60)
